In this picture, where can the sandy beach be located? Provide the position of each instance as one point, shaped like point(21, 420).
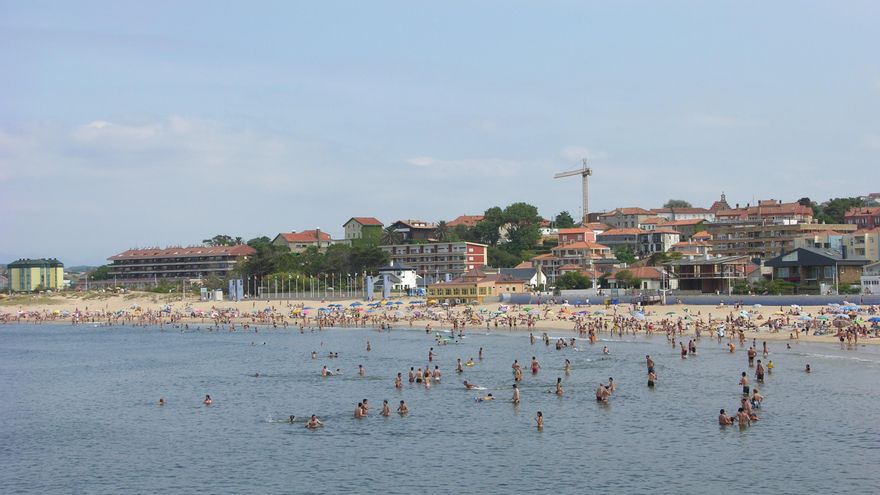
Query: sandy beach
point(150, 308)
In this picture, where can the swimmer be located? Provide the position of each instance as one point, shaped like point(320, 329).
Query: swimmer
point(650, 363)
point(539, 420)
point(535, 365)
point(770, 367)
point(458, 366)
point(161, 401)
point(402, 409)
point(208, 401)
point(602, 393)
point(757, 399)
point(742, 418)
point(359, 411)
point(611, 385)
point(369, 346)
point(488, 397)
point(361, 370)
point(515, 398)
point(314, 355)
point(567, 367)
point(366, 406)
point(724, 419)
point(314, 423)
point(559, 390)
point(808, 369)
point(652, 377)
point(437, 374)
point(291, 418)
point(605, 350)
point(398, 382)
point(469, 386)
point(386, 411)
point(325, 371)
point(337, 372)
point(481, 354)
point(744, 381)
point(470, 362)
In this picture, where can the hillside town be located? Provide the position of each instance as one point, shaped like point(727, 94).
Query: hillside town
point(768, 247)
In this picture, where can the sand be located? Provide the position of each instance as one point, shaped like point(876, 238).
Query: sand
point(555, 320)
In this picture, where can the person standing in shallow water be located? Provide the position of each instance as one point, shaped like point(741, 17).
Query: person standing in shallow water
point(515, 398)
point(539, 420)
point(652, 377)
point(759, 372)
point(744, 381)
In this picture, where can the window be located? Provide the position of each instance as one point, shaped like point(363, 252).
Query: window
point(782, 272)
point(482, 291)
point(829, 272)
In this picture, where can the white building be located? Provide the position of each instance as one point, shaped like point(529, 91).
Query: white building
point(871, 279)
point(401, 278)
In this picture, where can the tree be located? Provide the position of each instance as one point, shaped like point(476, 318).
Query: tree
point(658, 259)
point(100, 273)
point(501, 258)
point(835, 209)
point(573, 280)
point(677, 203)
point(523, 226)
point(626, 279)
point(390, 235)
point(564, 220)
point(367, 259)
point(624, 254)
point(441, 231)
point(488, 230)
point(222, 240)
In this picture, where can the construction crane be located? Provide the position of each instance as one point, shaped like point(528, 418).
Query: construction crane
point(585, 172)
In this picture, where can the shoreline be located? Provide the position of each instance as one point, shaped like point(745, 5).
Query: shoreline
point(148, 309)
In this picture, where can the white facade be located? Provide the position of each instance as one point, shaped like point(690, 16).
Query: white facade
point(871, 279)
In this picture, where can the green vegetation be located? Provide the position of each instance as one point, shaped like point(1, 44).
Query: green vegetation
point(573, 280)
point(564, 220)
point(625, 279)
point(222, 240)
point(624, 254)
point(100, 273)
point(834, 210)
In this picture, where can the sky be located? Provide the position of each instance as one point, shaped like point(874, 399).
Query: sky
point(137, 124)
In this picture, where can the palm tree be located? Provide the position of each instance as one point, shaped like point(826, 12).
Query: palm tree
point(390, 235)
point(441, 231)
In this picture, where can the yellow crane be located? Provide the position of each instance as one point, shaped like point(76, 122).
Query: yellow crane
point(585, 172)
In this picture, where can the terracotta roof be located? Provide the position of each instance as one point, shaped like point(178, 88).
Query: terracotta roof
point(186, 252)
point(626, 211)
point(575, 230)
point(622, 232)
point(304, 236)
point(365, 221)
point(597, 226)
point(591, 273)
point(863, 211)
point(653, 220)
point(692, 243)
point(662, 231)
point(642, 272)
point(766, 208)
point(569, 267)
point(545, 256)
point(702, 235)
point(524, 264)
point(680, 210)
point(874, 230)
point(466, 220)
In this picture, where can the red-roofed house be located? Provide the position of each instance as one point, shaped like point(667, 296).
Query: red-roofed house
point(621, 218)
point(577, 234)
point(657, 241)
point(621, 237)
point(298, 242)
point(721, 204)
point(363, 231)
point(580, 255)
point(864, 218)
point(768, 211)
point(468, 221)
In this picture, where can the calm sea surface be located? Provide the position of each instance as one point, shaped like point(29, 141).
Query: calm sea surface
point(79, 414)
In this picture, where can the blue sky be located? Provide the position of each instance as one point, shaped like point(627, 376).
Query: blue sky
point(132, 124)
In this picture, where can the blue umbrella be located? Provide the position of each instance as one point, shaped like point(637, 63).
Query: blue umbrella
point(874, 319)
point(355, 304)
point(398, 302)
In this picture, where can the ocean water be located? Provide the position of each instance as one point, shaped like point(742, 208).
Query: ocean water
point(80, 415)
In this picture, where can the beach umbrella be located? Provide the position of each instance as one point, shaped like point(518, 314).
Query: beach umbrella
point(874, 319)
point(778, 313)
point(841, 315)
point(671, 313)
point(822, 317)
point(841, 323)
point(398, 302)
point(355, 304)
point(805, 318)
point(388, 303)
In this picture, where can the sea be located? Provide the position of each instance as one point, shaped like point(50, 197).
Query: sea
point(80, 414)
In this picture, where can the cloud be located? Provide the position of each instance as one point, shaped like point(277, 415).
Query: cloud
point(479, 166)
